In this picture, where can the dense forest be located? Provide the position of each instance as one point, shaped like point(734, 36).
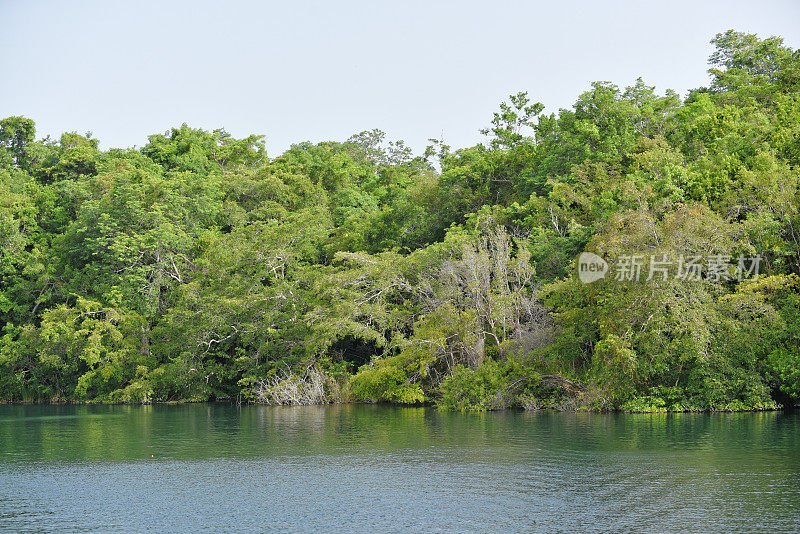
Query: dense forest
point(198, 268)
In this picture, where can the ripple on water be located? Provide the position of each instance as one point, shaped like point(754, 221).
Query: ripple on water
point(217, 468)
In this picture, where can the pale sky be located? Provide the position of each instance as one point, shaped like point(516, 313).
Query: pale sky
point(297, 71)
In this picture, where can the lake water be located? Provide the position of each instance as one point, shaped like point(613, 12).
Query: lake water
point(218, 468)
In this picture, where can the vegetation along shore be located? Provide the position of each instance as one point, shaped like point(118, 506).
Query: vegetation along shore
point(638, 252)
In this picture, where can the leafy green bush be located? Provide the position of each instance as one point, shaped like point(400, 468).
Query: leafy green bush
point(473, 390)
point(614, 365)
point(384, 381)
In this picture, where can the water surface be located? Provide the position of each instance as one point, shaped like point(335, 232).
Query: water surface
point(218, 468)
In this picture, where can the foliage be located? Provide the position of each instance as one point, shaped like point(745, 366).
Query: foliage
point(473, 390)
point(197, 268)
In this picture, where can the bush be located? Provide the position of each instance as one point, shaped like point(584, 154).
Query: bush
point(290, 389)
point(385, 381)
point(474, 390)
point(614, 365)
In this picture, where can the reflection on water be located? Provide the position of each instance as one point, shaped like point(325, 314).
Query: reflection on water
point(214, 467)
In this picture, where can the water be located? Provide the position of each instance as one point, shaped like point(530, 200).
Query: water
point(218, 468)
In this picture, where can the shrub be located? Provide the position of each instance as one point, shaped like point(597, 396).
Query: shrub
point(474, 390)
point(384, 381)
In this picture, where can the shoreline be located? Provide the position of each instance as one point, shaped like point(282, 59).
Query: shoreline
point(777, 408)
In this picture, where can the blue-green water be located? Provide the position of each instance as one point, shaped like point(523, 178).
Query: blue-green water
point(217, 468)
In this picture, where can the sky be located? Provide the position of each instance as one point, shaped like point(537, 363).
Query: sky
point(315, 71)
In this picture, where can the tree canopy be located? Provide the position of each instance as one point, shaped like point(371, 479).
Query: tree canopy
point(198, 268)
